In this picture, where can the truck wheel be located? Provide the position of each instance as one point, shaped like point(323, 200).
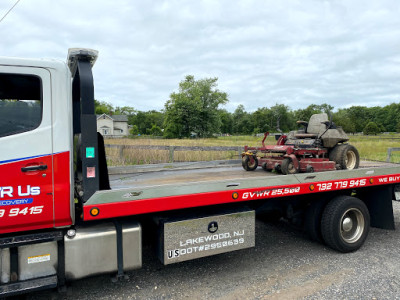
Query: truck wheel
point(345, 223)
point(312, 220)
point(288, 167)
point(249, 163)
point(346, 156)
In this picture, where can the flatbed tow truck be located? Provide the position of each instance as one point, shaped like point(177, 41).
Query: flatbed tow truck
point(62, 218)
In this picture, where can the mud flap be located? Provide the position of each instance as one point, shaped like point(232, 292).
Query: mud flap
point(379, 203)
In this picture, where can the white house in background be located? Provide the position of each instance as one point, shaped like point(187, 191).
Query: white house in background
point(114, 125)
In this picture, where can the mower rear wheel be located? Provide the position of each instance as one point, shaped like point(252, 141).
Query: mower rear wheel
point(249, 163)
point(351, 157)
point(346, 156)
point(287, 167)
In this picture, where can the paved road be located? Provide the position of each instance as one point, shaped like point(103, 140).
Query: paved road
point(283, 265)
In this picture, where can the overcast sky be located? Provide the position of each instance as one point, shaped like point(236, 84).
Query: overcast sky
point(263, 52)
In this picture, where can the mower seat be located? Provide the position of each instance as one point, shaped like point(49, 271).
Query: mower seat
point(313, 128)
point(318, 124)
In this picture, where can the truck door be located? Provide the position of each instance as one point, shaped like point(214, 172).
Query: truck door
point(26, 159)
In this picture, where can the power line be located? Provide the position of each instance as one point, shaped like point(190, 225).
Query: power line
point(9, 11)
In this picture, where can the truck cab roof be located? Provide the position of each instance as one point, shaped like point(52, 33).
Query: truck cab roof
point(33, 62)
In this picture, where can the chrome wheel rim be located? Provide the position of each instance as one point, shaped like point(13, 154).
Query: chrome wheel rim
point(352, 225)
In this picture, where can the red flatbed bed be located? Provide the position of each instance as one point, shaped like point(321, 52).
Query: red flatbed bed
point(141, 193)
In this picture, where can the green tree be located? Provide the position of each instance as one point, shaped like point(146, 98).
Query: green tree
point(154, 117)
point(194, 109)
point(282, 118)
point(306, 113)
point(102, 107)
point(124, 110)
point(389, 116)
point(371, 128)
point(262, 120)
point(360, 116)
point(242, 121)
point(134, 130)
point(226, 121)
point(342, 118)
point(326, 108)
point(145, 120)
point(155, 130)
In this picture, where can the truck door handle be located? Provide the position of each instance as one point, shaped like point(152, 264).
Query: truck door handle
point(34, 168)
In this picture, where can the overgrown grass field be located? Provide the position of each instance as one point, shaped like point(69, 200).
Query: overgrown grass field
point(369, 147)
point(375, 147)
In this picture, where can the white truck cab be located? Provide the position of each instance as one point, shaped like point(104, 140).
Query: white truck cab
point(36, 141)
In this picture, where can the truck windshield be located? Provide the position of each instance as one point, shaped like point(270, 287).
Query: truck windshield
point(20, 103)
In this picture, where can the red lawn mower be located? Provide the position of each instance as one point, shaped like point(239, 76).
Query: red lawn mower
point(319, 146)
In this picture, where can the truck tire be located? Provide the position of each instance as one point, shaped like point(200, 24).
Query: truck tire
point(346, 156)
point(249, 163)
point(287, 167)
point(345, 223)
point(312, 220)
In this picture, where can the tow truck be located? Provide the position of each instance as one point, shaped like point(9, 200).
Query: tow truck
point(62, 220)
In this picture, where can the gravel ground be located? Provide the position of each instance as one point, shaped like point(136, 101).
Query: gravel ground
point(283, 265)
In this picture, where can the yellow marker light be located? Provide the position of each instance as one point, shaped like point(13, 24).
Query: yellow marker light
point(94, 212)
point(235, 195)
point(311, 187)
point(371, 181)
